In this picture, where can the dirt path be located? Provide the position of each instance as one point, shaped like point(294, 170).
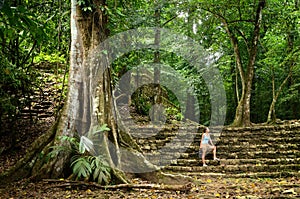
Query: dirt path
point(24, 135)
point(203, 188)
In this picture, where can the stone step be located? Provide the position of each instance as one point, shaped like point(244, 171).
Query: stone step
point(191, 131)
point(169, 133)
point(253, 147)
point(254, 128)
point(198, 161)
point(252, 132)
point(224, 148)
point(261, 128)
point(234, 142)
point(277, 174)
point(259, 140)
point(249, 149)
point(268, 151)
point(234, 169)
point(232, 153)
point(238, 155)
point(259, 154)
point(172, 159)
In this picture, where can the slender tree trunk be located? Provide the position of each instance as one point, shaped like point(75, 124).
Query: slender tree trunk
point(239, 65)
point(237, 93)
point(271, 113)
point(290, 62)
point(157, 87)
point(242, 117)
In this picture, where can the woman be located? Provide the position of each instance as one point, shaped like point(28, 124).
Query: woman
point(207, 144)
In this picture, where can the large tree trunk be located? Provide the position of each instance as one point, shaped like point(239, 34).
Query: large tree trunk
point(75, 116)
point(89, 104)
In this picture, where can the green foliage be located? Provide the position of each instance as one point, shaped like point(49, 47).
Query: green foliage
point(86, 5)
point(92, 168)
point(25, 31)
point(34, 32)
point(142, 100)
point(20, 33)
point(16, 85)
point(174, 113)
point(85, 166)
point(51, 58)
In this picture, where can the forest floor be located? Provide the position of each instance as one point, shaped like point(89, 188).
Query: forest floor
point(204, 187)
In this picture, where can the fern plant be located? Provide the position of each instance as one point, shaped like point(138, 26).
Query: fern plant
point(85, 166)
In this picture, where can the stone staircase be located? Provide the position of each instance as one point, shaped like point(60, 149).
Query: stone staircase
point(44, 102)
point(259, 151)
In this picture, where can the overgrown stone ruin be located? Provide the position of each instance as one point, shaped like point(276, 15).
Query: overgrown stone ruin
point(257, 151)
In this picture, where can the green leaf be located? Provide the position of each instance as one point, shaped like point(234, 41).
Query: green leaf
point(56, 150)
point(81, 168)
point(99, 129)
point(101, 178)
point(85, 144)
point(104, 128)
point(96, 173)
point(119, 12)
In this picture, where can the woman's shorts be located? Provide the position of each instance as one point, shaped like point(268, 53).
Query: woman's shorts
point(206, 148)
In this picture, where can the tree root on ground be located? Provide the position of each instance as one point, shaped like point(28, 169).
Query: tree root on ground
point(91, 185)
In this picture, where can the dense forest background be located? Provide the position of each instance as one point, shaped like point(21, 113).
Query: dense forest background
point(35, 35)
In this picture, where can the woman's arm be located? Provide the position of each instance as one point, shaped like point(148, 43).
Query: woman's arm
point(211, 141)
point(201, 140)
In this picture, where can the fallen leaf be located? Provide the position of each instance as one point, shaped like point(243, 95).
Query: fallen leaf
point(88, 191)
point(275, 190)
point(289, 191)
point(283, 182)
point(227, 195)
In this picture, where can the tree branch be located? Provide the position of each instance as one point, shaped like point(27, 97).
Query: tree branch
point(171, 19)
point(234, 42)
point(241, 20)
point(256, 31)
point(25, 58)
point(245, 40)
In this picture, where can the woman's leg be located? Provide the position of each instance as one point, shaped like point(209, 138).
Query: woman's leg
point(203, 158)
point(215, 153)
point(203, 155)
